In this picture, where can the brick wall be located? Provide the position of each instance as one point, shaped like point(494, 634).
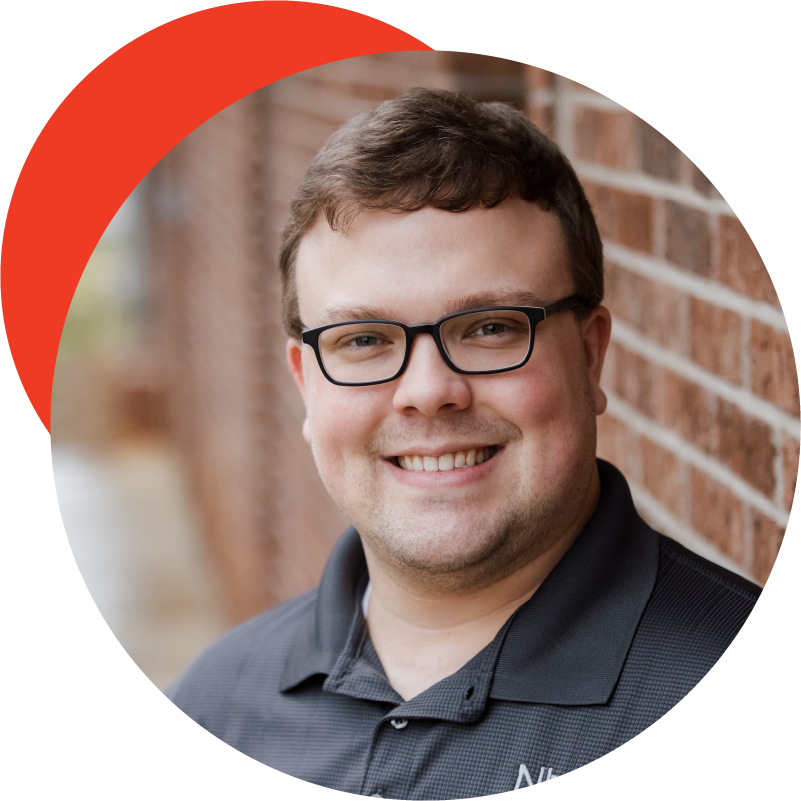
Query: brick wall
point(703, 395)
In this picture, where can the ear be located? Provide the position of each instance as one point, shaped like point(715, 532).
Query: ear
point(294, 353)
point(596, 331)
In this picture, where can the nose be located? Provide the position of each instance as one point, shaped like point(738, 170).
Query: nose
point(428, 385)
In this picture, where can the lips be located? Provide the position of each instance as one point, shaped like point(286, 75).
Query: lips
point(457, 460)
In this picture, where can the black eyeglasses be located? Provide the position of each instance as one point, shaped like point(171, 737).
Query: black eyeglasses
point(475, 342)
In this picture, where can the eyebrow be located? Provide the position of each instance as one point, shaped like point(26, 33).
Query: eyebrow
point(345, 314)
point(480, 300)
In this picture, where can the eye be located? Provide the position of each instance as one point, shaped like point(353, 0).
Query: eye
point(363, 340)
point(366, 341)
point(490, 329)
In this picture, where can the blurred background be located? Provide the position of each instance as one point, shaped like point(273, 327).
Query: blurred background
point(189, 497)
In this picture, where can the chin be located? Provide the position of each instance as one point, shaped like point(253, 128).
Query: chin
point(446, 546)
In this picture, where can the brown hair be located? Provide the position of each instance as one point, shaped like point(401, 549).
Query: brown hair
point(441, 149)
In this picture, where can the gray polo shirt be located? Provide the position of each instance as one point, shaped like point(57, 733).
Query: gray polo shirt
point(623, 627)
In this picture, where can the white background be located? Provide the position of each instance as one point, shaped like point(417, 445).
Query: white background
point(720, 79)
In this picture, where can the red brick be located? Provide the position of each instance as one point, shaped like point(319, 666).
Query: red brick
point(767, 539)
point(610, 433)
point(542, 115)
point(692, 177)
point(688, 243)
point(621, 446)
point(665, 478)
point(746, 446)
point(633, 381)
point(773, 374)
point(635, 221)
point(718, 516)
point(741, 267)
point(623, 217)
point(537, 78)
point(658, 155)
point(484, 65)
point(488, 78)
point(690, 411)
point(716, 340)
point(610, 368)
point(604, 137)
point(790, 468)
point(659, 312)
point(701, 183)
point(602, 200)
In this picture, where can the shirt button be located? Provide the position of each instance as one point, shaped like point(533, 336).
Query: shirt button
point(401, 723)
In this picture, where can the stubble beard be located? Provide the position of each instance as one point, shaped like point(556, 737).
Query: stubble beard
point(441, 547)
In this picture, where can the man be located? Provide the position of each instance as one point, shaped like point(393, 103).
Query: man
point(498, 614)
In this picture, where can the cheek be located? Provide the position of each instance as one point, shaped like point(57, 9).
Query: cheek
point(548, 403)
point(530, 399)
point(343, 421)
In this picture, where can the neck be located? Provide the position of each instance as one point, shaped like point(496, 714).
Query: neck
point(423, 634)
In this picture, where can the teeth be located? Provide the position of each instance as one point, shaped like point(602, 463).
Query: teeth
point(447, 461)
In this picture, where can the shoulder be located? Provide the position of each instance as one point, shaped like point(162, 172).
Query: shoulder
point(253, 651)
point(700, 574)
point(695, 611)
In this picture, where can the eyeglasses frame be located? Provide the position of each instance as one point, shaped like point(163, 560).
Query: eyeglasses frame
point(535, 314)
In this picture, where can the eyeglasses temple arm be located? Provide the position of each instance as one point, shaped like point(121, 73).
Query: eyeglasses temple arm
point(562, 305)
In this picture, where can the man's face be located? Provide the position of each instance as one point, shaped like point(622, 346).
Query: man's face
point(538, 421)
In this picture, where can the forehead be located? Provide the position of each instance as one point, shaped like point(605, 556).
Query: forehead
point(418, 266)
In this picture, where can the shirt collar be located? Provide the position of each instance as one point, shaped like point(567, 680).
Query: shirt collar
point(323, 635)
point(566, 645)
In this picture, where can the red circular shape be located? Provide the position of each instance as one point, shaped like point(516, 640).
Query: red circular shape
point(120, 120)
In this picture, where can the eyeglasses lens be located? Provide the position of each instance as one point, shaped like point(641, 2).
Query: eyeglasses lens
point(359, 353)
point(483, 341)
point(487, 340)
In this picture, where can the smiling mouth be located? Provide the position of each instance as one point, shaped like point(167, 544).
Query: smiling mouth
point(458, 460)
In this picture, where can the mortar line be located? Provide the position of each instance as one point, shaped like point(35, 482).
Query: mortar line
point(643, 184)
point(671, 441)
point(666, 523)
point(762, 410)
point(664, 272)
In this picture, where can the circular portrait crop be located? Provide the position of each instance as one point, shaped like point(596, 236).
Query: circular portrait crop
point(425, 425)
